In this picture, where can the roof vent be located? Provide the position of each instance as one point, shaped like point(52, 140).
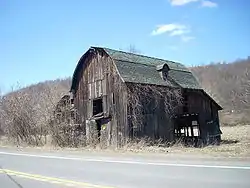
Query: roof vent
point(163, 70)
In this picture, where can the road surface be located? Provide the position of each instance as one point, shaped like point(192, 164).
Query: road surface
point(19, 169)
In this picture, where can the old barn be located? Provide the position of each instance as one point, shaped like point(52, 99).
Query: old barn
point(122, 96)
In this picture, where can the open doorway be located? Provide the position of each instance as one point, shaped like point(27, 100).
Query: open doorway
point(187, 128)
point(97, 106)
point(98, 114)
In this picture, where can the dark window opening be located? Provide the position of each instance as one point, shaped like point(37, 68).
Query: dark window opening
point(185, 109)
point(97, 106)
point(113, 96)
point(185, 102)
point(185, 98)
point(165, 75)
point(165, 72)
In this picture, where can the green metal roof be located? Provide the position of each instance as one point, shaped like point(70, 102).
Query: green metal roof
point(142, 69)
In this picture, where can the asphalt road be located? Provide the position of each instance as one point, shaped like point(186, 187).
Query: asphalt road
point(38, 169)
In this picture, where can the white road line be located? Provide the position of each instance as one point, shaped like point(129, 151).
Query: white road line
point(128, 162)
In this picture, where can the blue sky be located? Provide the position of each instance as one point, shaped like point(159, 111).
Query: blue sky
point(43, 40)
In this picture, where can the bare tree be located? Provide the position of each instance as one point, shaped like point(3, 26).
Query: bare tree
point(244, 95)
point(227, 82)
point(26, 112)
point(229, 85)
point(1, 113)
point(132, 49)
point(18, 113)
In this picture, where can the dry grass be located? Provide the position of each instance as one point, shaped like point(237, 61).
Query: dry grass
point(235, 143)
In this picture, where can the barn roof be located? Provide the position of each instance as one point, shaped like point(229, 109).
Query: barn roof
point(143, 69)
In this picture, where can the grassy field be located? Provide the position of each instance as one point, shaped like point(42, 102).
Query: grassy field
point(235, 143)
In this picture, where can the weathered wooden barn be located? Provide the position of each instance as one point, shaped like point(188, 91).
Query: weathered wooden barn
point(124, 96)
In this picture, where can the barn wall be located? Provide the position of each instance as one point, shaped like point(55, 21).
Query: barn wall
point(207, 110)
point(155, 123)
point(98, 78)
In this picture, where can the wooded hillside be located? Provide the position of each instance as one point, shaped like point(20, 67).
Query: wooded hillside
point(229, 84)
point(25, 113)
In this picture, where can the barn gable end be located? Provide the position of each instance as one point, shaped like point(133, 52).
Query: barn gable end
point(99, 97)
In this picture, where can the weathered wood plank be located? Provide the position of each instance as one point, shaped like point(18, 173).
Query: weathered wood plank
point(96, 81)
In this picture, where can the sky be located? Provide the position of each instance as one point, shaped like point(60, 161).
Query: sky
point(43, 40)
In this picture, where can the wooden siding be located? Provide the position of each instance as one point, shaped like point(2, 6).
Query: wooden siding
point(159, 125)
point(200, 104)
point(98, 78)
point(156, 124)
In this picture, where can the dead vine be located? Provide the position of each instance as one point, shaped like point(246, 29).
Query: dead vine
point(141, 97)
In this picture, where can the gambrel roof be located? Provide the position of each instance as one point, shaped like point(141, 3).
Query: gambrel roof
point(143, 69)
point(136, 68)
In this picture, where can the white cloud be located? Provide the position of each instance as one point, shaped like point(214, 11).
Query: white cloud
point(187, 38)
point(179, 32)
point(209, 4)
point(181, 2)
point(204, 3)
point(172, 29)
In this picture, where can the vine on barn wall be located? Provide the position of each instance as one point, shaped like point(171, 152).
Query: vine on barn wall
point(140, 95)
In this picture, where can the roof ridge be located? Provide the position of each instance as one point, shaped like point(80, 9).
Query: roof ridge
point(141, 55)
point(150, 65)
point(134, 62)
